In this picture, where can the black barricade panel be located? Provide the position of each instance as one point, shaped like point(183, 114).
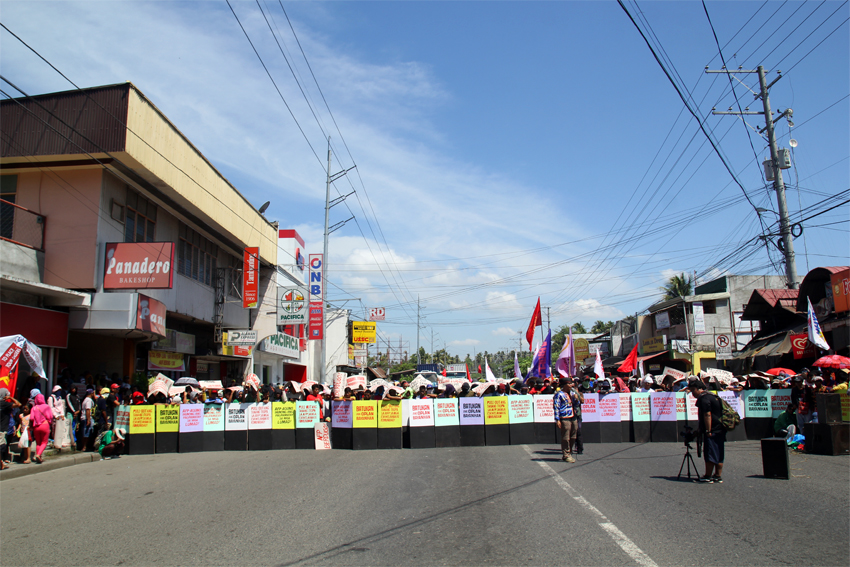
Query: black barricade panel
point(364, 438)
point(829, 408)
point(546, 433)
point(663, 432)
point(341, 437)
point(472, 436)
point(192, 442)
point(259, 439)
point(627, 432)
point(388, 438)
point(610, 432)
point(498, 434)
point(774, 458)
point(827, 438)
point(305, 438)
point(522, 433)
point(641, 430)
point(422, 438)
point(166, 442)
point(141, 444)
point(405, 437)
point(447, 436)
point(283, 439)
point(236, 440)
point(590, 432)
point(758, 427)
point(737, 434)
point(213, 440)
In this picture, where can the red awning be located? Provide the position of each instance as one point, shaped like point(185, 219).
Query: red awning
point(42, 327)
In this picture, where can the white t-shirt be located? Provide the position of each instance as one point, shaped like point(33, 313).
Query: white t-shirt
point(88, 403)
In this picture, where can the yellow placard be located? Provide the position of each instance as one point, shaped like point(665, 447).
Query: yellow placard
point(365, 413)
point(845, 407)
point(283, 415)
point(496, 410)
point(167, 418)
point(167, 360)
point(141, 420)
point(389, 414)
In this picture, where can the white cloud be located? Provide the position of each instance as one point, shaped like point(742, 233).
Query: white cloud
point(504, 332)
point(465, 342)
point(589, 310)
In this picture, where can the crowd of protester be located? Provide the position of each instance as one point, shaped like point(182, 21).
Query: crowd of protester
point(80, 415)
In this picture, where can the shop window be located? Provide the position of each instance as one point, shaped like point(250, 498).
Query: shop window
point(233, 277)
point(196, 256)
point(140, 219)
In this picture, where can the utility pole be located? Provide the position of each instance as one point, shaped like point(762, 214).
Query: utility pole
point(548, 321)
point(432, 345)
point(418, 360)
point(786, 237)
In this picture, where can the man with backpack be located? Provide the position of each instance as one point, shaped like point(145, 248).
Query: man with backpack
point(711, 428)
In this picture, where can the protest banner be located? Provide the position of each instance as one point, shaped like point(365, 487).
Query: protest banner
point(610, 430)
point(141, 439)
point(365, 431)
point(447, 422)
point(389, 424)
point(259, 417)
point(779, 401)
point(758, 413)
point(590, 430)
point(422, 429)
point(497, 429)
point(640, 417)
point(213, 438)
point(342, 423)
point(545, 430)
point(167, 427)
point(322, 436)
point(471, 422)
point(662, 417)
point(191, 437)
point(627, 432)
point(306, 418)
point(283, 425)
point(235, 427)
point(521, 419)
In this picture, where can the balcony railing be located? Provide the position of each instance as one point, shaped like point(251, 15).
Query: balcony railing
point(21, 226)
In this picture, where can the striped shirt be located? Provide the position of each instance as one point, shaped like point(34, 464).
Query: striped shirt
point(563, 406)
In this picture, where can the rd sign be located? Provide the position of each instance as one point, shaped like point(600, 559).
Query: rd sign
point(377, 314)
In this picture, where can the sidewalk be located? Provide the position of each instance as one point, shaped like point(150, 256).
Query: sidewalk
point(51, 463)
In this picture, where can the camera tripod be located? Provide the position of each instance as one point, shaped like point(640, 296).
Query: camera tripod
point(689, 460)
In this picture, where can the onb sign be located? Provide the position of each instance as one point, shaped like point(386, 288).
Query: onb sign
point(291, 305)
point(317, 283)
point(377, 314)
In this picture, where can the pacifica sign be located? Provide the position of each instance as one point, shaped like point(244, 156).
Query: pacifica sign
point(139, 265)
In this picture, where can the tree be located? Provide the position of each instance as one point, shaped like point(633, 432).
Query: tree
point(601, 327)
point(678, 286)
point(579, 329)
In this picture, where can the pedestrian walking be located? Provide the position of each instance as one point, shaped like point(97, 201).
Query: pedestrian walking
point(41, 419)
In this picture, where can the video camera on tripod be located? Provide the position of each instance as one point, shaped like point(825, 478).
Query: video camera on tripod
point(689, 435)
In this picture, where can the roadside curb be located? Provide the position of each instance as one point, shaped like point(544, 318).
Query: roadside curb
point(18, 471)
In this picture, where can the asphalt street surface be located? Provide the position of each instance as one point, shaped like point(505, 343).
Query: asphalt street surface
point(620, 504)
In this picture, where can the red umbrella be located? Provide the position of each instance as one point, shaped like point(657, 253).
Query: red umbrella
point(832, 361)
point(776, 371)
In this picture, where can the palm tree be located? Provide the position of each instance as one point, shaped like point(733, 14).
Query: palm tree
point(678, 286)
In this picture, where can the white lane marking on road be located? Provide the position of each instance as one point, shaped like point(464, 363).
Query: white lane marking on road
point(618, 536)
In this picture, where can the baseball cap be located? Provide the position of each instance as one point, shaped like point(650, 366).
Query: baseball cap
point(104, 391)
point(114, 386)
point(4, 393)
point(120, 433)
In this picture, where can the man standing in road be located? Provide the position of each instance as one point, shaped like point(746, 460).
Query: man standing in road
point(565, 419)
point(714, 434)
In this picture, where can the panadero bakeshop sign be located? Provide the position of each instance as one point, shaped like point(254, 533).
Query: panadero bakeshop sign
point(139, 265)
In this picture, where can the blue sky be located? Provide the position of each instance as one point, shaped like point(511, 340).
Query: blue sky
point(498, 144)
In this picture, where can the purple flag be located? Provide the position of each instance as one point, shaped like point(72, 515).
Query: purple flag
point(566, 363)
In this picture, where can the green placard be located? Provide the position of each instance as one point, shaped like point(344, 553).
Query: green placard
point(756, 403)
point(640, 406)
point(446, 412)
point(520, 409)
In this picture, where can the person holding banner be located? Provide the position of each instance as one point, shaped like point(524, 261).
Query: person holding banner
point(7, 404)
point(565, 419)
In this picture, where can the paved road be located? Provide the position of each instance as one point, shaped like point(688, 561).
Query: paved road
point(619, 505)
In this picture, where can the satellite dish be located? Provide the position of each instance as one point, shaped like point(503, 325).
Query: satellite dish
point(265, 206)
point(792, 142)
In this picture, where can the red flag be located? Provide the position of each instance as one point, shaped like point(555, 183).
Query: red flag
point(444, 372)
point(630, 363)
point(479, 369)
point(536, 321)
point(468, 376)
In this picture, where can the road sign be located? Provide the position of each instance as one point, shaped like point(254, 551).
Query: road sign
point(723, 347)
